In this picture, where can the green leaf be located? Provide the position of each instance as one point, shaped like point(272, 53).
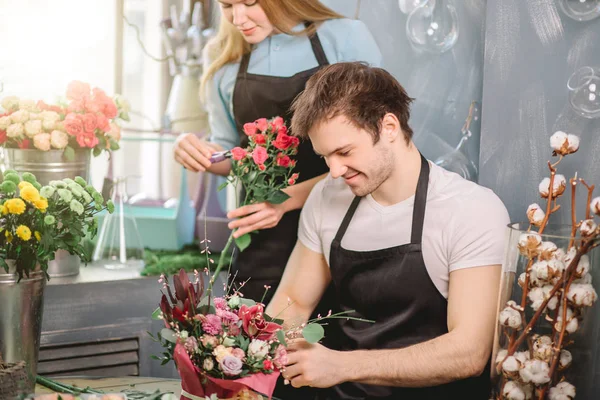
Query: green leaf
point(281, 337)
point(206, 309)
point(222, 186)
point(243, 241)
point(313, 333)
point(96, 152)
point(156, 314)
point(169, 335)
point(277, 197)
point(69, 153)
point(114, 145)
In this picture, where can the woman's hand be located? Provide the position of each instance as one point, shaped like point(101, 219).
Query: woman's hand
point(194, 153)
point(255, 216)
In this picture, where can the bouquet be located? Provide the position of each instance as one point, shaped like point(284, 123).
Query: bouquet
point(537, 326)
point(87, 119)
point(224, 345)
point(37, 221)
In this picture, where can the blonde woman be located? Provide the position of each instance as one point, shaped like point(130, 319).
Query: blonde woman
point(263, 54)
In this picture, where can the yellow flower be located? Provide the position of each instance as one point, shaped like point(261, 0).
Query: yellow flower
point(4, 209)
point(30, 194)
point(23, 232)
point(22, 184)
point(15, 206)
point(37, 235)
point(9, 236)
point(41, 204)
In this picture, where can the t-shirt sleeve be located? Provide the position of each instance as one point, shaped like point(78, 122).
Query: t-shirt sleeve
point(478, 231)
point(222, 126)
point(309, 229)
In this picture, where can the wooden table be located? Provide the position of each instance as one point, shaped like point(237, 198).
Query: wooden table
point(115, 385)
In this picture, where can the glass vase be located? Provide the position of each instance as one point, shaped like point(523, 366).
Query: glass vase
point(547, 279)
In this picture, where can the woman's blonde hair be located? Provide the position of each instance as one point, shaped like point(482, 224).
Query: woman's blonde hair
point(229, 45)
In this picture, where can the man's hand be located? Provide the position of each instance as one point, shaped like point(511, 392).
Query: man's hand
point(255, 216)
point(313, 365)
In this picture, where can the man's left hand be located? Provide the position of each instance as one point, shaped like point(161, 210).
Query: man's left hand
point(254, 217)
point(313, 365)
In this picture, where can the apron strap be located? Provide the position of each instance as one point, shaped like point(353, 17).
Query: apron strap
point(346, 221)
point(317, 47)
point(420, 203)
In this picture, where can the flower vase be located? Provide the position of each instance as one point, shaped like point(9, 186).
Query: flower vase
point(543, 283)
point(48, 166)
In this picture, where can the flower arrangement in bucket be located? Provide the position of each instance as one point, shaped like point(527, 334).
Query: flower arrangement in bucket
point(86, 119)
point(538, 325)
point(223, 346)
point(37, 221)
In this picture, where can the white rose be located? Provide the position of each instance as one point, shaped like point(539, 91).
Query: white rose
point(59, 139)
point(33, 115)
point(50, 115)
point(48, 124)
point(33, 127)
point(10, 103)
point(258, 349)
point(42, 141)
point(20, 116)
point(535, 214)
point(26, 104)
point(5, 122)
point(15, 130)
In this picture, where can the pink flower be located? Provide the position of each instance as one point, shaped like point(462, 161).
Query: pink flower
point(110, 110)
point(291, 181)
point(209, 340)
point(239, 353)
point(3, 137)
point(277, 124)
point(262, 167)
point(41, 141)
point(259, 138)
point(231, 366)
point(78, 90)
point(73, 125)
point(24, 144)
point(87, 140)
point(295, 141)
point(294, 177)
point(268, 365)
point(259, 155)
point(75, 106)
point(234, 329)
point(227, 317)
point(281, 358)
point(220, 303)
point(92, 106)
point(89, 123)
point(114, 132)
point(238, 153)
point(254, 323)
point(191, 344)
point(250, 128)
point(283, 141)
point(262, 124)
point(212, 325)
point(103, 123)
point(283, 160)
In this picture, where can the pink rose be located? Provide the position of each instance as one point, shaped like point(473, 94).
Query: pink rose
point(110, 110)
point(262, 167)
point(254, 323)
point(209, 340)
point(295, 141)
point(268, 365)
point(238, 153)
point(92, 106)
point(259, 138)
point(24, 144)
point(277, 124)
point(212, 325)
point(283, 160)
point(103, 123)
point(220, 303)
point(250, 128)
point(262, 124)
point(281, 358)
point(191, 344)
point(227, 317)
point(231, 366)
point(75, 106)
point(239, 353)
point(87, 140)
point(89, 123)
point(3, 137)
point(291, 182)
point(283, 141)
point(78, 90)
point(41, 141)
point(73, 125)
point(259, 155)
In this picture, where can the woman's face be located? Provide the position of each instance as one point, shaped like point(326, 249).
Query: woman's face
point(249, 17)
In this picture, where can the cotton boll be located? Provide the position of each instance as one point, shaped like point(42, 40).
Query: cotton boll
point(562, 391)
point(530, 243)
point(582, 295)
point(536, 372)
point(542, 348)
point(535, 214)
point(565, 359)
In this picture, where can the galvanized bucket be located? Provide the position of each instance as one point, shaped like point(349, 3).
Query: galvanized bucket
point(48, 166)
point(22, 306)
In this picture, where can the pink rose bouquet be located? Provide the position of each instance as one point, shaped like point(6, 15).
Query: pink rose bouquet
point(88, 119)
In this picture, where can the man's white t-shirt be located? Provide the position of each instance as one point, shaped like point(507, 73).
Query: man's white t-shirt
point(465, 224)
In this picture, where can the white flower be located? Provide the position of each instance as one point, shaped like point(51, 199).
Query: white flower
point(595, 205)
point(42, 141)
point(530, 244)
point(47, 191)
point(572, 323)
point(122, 103)
point(184, 334)
point(510, 317)
point(536, 372)
point(588, 227)
point(15, 130)
point(535, 214)
point(50, 116)
point(48, 124)
point(565, 359)
point(35, 116)
point(10, 103)
point(33, 127)
point(582, 295)
point(5, 122)
point(562, 391)
point(258, 349)
point(59, 140)
point(558, 186)
point(208, 364)
point(542, 348)
point(563, 143)
point(20, 116)
point(547, 250)
point(26, 104)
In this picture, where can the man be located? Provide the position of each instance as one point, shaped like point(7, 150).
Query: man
point(408, 245)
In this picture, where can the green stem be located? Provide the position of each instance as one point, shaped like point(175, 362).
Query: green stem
point(219, 264)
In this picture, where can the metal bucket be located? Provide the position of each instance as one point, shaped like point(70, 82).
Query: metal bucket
point(48, 166)
point(21, 310)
